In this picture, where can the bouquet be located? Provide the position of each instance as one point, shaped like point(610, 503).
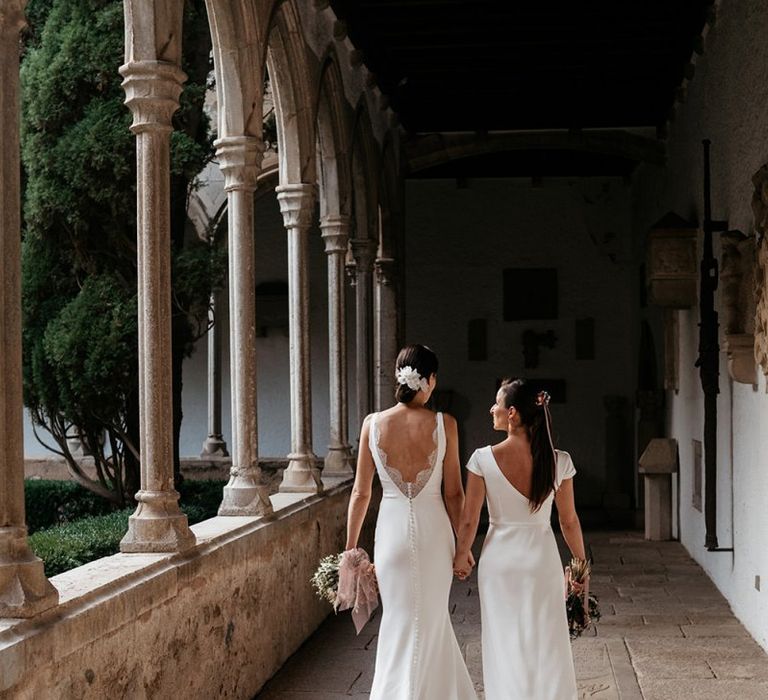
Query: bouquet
point(325, 580)
point(577, 591)
point(348, 580)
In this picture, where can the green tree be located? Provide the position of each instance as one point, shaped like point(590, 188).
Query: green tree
point(79, 248)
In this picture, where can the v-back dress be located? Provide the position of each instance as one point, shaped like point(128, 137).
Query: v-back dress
point(417, 657)
point(526, 647)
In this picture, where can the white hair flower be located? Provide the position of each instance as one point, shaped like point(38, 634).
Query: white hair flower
point(410, 377)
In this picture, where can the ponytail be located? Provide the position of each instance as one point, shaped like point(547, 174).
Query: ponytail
point(543, 451)
point(533, 408)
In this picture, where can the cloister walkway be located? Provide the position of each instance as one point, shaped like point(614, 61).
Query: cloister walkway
point(666, 634)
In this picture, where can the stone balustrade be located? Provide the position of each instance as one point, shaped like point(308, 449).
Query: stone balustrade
point(215, 621)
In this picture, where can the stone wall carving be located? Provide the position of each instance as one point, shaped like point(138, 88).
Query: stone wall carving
point(672, 264)
point(760, 212)
point(737, 284)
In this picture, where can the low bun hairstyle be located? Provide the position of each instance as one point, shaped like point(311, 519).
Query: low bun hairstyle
point(532, 407)
point(420, 358)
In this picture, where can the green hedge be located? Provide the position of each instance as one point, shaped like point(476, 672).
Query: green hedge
point(67, 546)
point(50, 503)
point(74, 543)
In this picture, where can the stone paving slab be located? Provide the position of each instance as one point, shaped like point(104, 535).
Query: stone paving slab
point(666, 634)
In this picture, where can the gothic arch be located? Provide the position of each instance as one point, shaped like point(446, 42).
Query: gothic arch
point(389, 198)
point(365, 174)
point(238, 65)
point(333, 136)
point(287, 62)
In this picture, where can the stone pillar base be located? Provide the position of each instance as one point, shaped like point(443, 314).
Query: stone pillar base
point(301, 475)
point(338, 462)
point(658, 507)
point(243, 496)
point(214, 446)
point(158, 525)
point(24, 589)
point(657, 464)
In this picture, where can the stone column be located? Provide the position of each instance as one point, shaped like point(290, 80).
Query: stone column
point(385, 333)
point(24, 589)
point(338, 462)
point(297, 203)
point(364, 252)
point(214, 445)
point(152, 91)
point(240, 160)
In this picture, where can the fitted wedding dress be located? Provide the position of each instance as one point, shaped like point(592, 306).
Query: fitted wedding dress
point(417, 657)
point(525, 642)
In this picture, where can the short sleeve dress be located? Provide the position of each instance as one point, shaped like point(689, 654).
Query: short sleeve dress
point(525, 641)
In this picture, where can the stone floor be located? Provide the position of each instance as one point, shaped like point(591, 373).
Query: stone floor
point(666, 634)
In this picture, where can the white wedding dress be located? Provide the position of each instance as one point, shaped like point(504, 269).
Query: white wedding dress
point(526, 647)
point(417, 657)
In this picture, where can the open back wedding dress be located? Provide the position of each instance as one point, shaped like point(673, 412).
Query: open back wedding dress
point(417, 657)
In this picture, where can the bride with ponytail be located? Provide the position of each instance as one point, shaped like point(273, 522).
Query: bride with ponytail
point(525, 641)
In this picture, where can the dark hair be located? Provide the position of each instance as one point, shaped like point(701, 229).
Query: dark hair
point(532, 406)
point(420, 358)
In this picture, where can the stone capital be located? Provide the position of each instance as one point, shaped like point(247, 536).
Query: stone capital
point(364, 252)
point(335, 232)
point(385, 270)
point(152, 90)
point(350, 270)
point(240, 161)
point(297, 204)
point(12, 19)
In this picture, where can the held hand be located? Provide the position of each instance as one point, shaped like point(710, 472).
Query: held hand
point(580, 588)
point(577, 588)
point(472, 559)
point(462, 565)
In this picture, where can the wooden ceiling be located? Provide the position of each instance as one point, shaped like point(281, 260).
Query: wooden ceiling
point(489, 65)
point(474, 65)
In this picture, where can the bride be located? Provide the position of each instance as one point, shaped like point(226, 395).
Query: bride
point(415, 453)
point(525, 643)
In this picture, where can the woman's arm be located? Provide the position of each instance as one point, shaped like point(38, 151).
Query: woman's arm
point(470, 517)
point(569, 520)
point(361, 491)
point(453, 491)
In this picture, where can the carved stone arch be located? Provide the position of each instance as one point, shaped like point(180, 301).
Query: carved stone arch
point(365, 172)
point(388, 316)
point(238, 61)
point(287, 61)
point(389, 198)
point(333, 140)
point(432, 150)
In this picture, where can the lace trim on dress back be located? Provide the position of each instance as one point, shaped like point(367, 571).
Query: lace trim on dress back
point(410, 489)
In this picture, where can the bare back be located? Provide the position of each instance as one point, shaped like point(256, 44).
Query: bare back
point(515, 462)
point(408, 438)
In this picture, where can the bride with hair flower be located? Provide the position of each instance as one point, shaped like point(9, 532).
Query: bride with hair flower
point(415, 454)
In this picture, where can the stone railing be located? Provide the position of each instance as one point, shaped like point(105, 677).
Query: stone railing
point(217, 620)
